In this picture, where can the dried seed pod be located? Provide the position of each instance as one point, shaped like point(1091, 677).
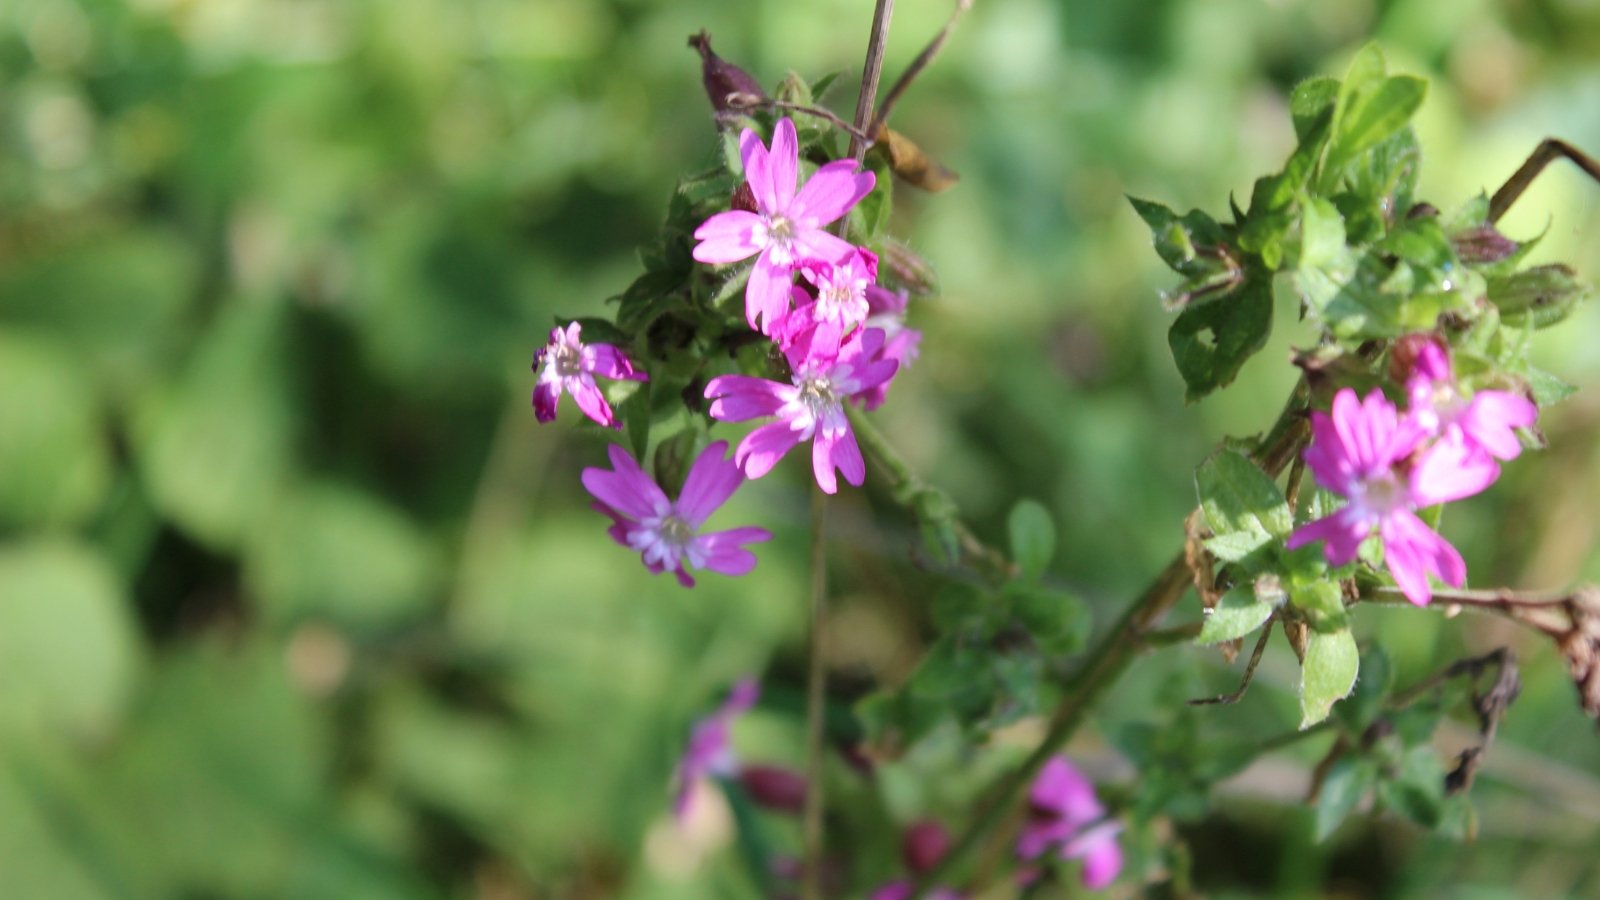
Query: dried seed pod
point(730, 88)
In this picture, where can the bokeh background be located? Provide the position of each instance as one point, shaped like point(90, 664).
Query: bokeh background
point(296, 600)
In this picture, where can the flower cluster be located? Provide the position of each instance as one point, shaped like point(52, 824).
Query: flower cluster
point(812, 293)
point(1066, 817)
point(842, 334)
point(1388, 465)
point(709, 755)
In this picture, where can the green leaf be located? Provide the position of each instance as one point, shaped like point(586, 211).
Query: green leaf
point(215, 448)
point(1033, 537)
point(1241, 503)
point(635, 414)
point(1321, 602)
point(1417, 790)
point(1311, 101)
point(68, 649)
point(331, 552)
point(55, 461)
point(1211, 341)
point(1546, 388)
point(1347, 781)
point(675, 455)
point(1238, 613)
point(1365, 703)
point(1328, 674)
point(1370, 108)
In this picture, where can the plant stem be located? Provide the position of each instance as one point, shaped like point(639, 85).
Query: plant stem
point(1110, 658)
point(816, 674)
point(816, 690)
point(1548, 151)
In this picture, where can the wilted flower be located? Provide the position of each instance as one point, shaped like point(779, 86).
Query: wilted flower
point(1367, 453)
point(710, 752)
point(787, 228)
point(1064, 815)
point(664, 531)
point(1487, 420)
point(826, 374)
point(568, 363)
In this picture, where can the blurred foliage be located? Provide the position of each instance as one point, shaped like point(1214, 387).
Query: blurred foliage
point(295, 600)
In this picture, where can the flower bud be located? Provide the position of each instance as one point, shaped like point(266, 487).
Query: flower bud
point(1407, 350)
point(729, 87)
point(923, 844)
point(774, 787)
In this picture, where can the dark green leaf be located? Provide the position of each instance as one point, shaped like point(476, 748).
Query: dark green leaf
point(1210, 342)
point(1417, 790)
point(1057, 621)
point(1347, 781)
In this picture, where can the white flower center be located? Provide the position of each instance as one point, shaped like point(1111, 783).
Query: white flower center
point(565, 360)
point(1380, 495)
point(818, 398)
point(779, 238)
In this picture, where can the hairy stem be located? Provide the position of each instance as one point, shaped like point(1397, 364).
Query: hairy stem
point(871, 74)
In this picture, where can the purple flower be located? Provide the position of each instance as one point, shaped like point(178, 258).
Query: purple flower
point(663, 531)
point(787, 227)
point(1365, 452)
point(826, 373)
point(710, 752)
point(568, 363)
point(1488, 420)
point(841, 288)
point(1066, 816)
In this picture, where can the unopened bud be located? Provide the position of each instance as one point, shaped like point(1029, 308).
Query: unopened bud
point(729, 87)
point(774, 787)
point(1405, 352)
point(923, 845)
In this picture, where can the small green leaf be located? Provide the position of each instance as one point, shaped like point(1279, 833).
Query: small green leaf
point(1211, 341)
point(1417, 790)
point(1538, 297)
point(675, 455)
point(1347, 781)
point(1033, 537)
point(1547, 388)
point(1240, 502)
point(1371, 107)
point(1328, 674)
point(635, 415)
point(1321, 602)
point(1365, 703)
point(1310, 101)
point(1177, 237)
point(1238, 613)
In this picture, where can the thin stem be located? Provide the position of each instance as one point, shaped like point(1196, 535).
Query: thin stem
point(816, 689)
point(1549, 150)
point(871, 74)
point(915, 69)
point(751, 101)
point(1249, 670)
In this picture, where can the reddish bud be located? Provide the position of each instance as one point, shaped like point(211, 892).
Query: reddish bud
point(1484, 244)
point(729, 87)
point(774, 787)
point(1403, 355)
point(923, 844)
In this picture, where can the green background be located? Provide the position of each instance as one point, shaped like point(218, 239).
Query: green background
point(296, 598)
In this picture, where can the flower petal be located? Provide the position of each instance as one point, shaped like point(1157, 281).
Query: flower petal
point(1412, 551)
point(710, 482)
point(830, 193)
point(761, 449)
point(783, 163)
point(766, 295)
point(1491, 420)
point(609, 362)
point(1341, 534)
point(753, 154)
point(736, 398)
point(728, 237)
point(822, 461)
point(592, 402)
point(846, 455)
point(627, 489)
point(1450, 470)
point(724, 552)
point(546, 396)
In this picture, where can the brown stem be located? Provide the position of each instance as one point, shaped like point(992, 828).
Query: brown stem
point(915, 69)
point(1111, 656)
point(871, 74)
point(751, 101)
point(1249, 670)
point(1549, 150)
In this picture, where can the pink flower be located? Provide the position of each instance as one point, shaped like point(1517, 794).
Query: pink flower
point(567, 363)
point(1487, 421)
point(887, 310)
point(841, 288)
point(1065, 815)
point(663, 531)
point(710, 752)
point(826, 374)
point(787, 227)
point(1368, 454)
